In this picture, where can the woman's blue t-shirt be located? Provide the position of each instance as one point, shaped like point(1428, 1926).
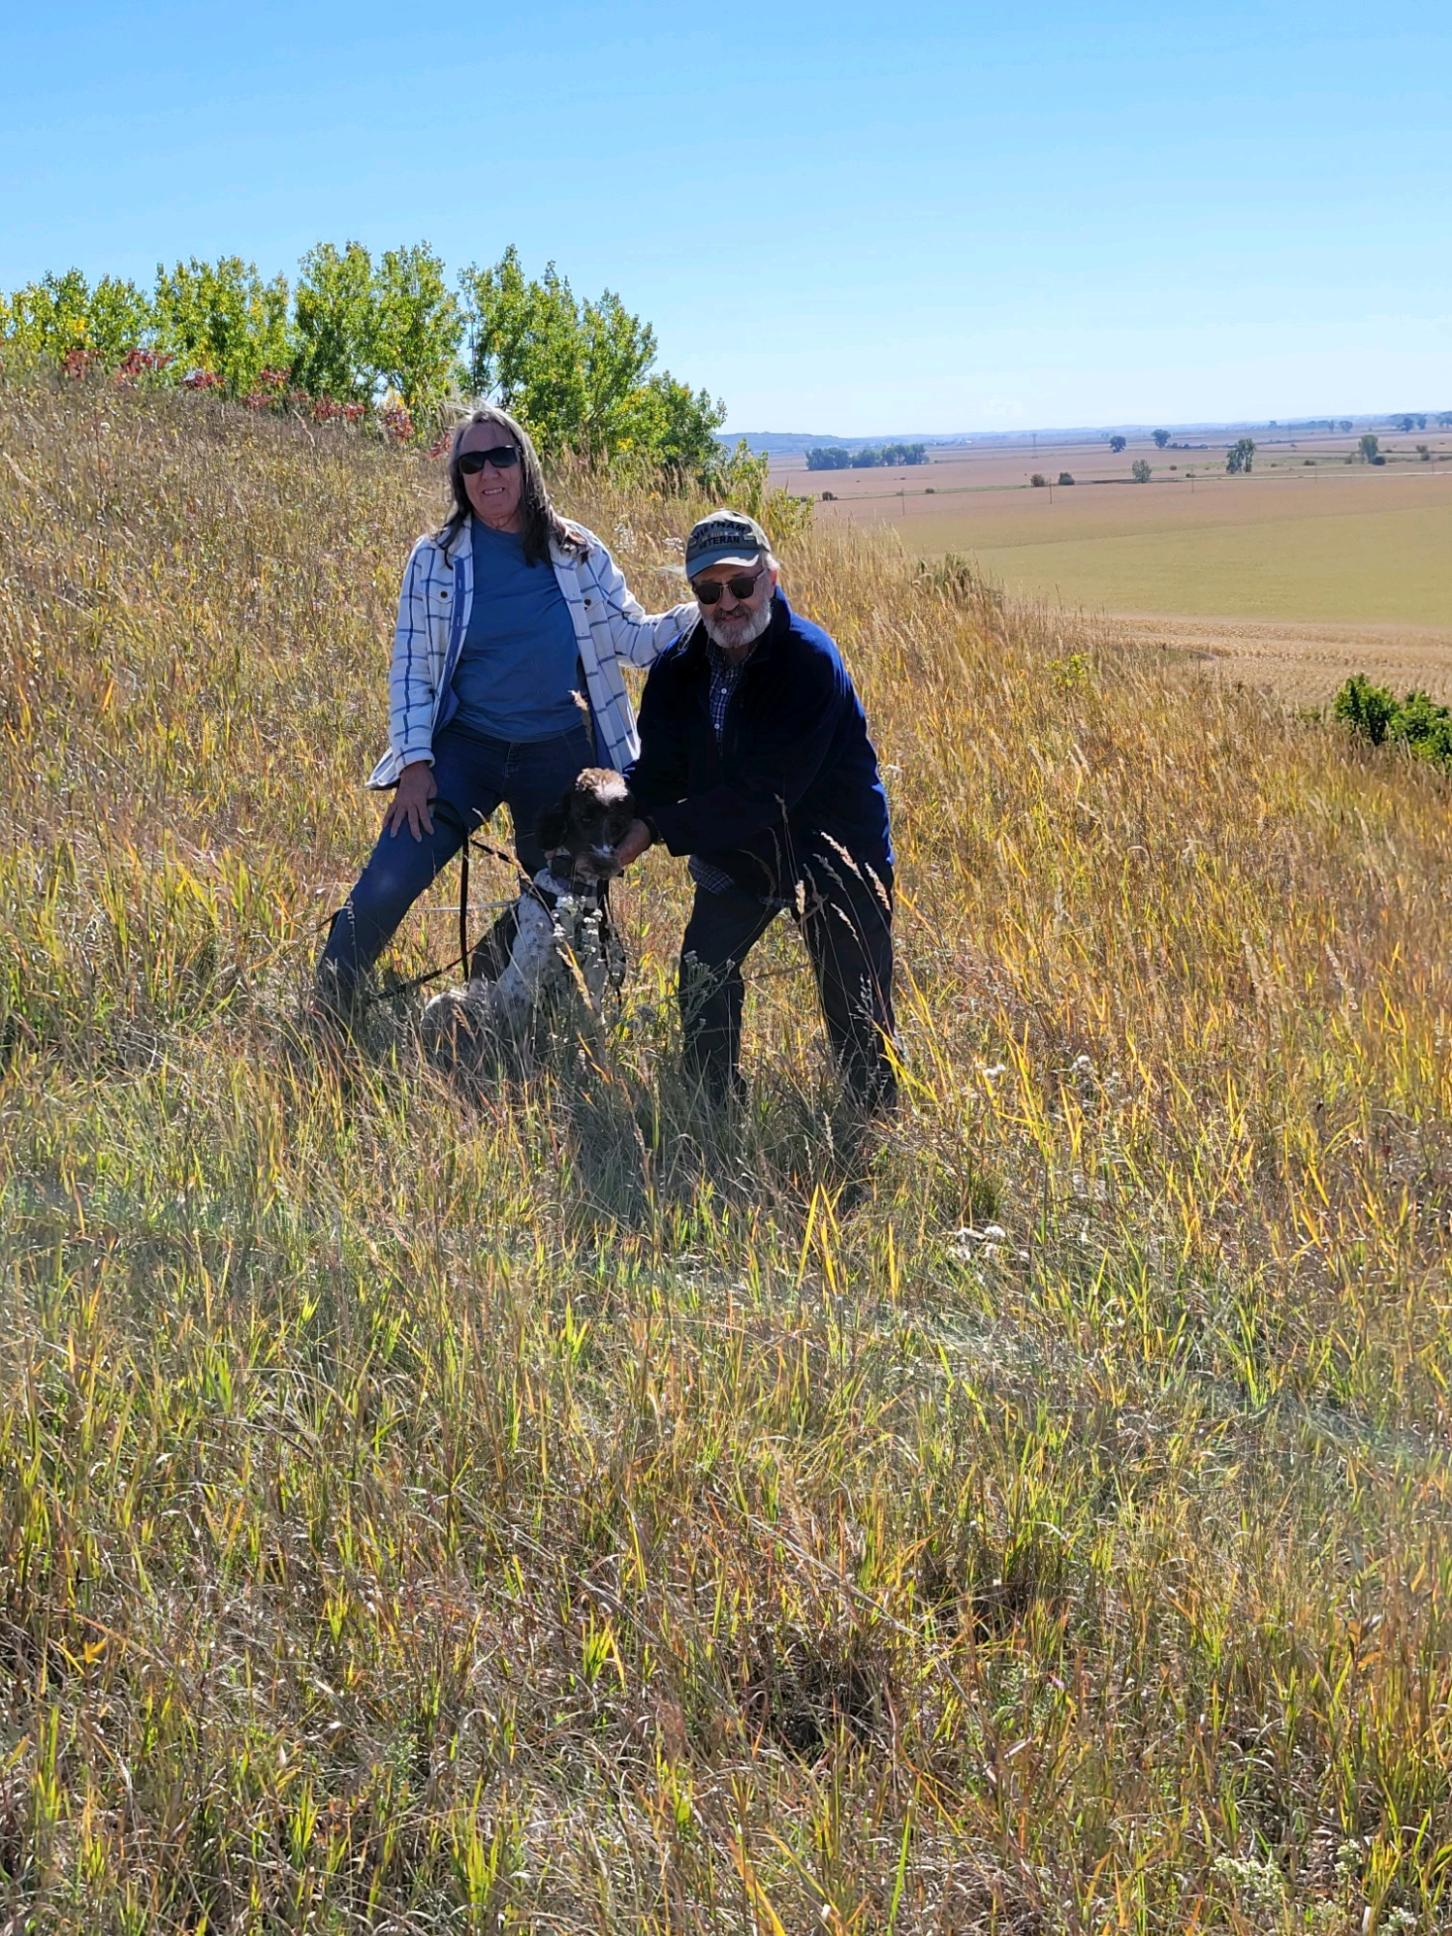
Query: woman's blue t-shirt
point(519, 663)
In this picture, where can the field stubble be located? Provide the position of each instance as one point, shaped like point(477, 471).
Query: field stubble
point(424, 1511)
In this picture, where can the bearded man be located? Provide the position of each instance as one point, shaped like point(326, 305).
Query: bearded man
point(756, 764)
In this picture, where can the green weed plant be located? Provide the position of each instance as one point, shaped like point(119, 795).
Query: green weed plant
point(1374, 713)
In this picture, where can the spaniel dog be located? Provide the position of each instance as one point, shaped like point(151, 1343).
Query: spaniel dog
point(554, 946)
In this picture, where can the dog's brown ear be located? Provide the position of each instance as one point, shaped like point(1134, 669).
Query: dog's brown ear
point(550, 827)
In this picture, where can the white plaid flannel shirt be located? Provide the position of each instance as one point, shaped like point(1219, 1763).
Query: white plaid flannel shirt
point(611, 629)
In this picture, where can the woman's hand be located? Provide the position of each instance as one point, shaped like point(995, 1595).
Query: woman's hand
point(410, 807)
point(637, 838)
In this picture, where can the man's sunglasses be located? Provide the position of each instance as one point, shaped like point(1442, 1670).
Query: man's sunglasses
point(709, 590)
point(503, 457)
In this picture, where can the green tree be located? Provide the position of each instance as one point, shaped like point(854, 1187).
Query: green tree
point(51, 317)
point(1369, 447)
point(1241, 456)
point(676, 426)
point(221, 316)
point(617, 350)
point(579, 375)
point(118, 319)
point(1139, 470)
point(1161, 437)
point(415, 326)
point(1117, 444)
point(524, 348)
point(62, 313)
point(336, 323)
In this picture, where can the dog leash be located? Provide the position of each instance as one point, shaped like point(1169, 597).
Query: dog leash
point(446, 811)
point(449, 814)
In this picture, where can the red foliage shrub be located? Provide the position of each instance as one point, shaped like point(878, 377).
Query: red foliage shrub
point(137, 362)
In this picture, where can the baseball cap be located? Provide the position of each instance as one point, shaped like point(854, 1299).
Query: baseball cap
point(724, 538)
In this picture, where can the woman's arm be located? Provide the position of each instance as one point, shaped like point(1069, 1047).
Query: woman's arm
point(639, 637)
point(410, 680)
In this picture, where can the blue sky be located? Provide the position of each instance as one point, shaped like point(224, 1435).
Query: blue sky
point(838, 217)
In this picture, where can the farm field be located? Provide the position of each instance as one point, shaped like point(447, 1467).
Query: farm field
point(1333, 567)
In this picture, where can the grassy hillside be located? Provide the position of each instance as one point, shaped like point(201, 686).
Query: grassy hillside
point(423, 1511)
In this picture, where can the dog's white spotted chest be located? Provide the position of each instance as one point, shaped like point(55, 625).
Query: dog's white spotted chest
point(548, 939)
point(559, 948)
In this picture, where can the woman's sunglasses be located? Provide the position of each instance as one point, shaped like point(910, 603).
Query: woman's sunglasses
point(709, 590)
point(503, 457)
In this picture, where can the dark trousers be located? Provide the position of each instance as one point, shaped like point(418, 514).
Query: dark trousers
point(846, 922)
point(474, 775)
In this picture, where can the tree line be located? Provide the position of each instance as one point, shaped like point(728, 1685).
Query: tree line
point(836, 457)
point(385, 337)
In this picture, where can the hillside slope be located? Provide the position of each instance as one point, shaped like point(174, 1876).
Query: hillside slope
point(515, 1509)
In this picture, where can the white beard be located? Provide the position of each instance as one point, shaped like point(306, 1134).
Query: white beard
point(736, 636)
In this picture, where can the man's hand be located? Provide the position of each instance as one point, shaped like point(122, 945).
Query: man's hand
point(410, 808)
point(637, 838)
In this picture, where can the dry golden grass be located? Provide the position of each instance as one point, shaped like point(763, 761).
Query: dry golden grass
point(423, 1511)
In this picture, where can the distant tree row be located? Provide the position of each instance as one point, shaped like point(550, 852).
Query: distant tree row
point(355, 335)
point(1407, 421)
point(836, 457)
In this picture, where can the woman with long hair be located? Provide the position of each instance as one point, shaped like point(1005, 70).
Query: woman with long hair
point(513, 624)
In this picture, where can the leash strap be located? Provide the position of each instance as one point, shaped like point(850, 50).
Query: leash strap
point(450, 815)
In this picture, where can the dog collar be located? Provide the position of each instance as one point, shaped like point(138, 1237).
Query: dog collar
point(553, 884)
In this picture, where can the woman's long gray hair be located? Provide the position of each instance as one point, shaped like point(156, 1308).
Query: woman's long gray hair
point(542, 523)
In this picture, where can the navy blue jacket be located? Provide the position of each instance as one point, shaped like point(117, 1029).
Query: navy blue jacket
point(794, 762)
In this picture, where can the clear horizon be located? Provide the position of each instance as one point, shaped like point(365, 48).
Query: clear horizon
point(1308, 422)
point(990, 223)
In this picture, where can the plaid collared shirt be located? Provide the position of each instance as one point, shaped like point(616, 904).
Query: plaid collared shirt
point(725, 677)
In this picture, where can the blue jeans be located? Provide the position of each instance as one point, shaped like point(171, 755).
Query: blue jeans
point(474, 775)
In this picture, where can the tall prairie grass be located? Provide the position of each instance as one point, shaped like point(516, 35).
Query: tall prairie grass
point(519, 1508)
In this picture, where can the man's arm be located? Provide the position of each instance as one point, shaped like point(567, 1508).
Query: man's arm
point(658, 775)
